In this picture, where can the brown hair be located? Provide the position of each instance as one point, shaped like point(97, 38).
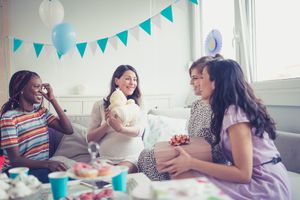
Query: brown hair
point(136, 95)
point(201, 62)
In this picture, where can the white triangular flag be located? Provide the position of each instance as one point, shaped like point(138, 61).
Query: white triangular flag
point(135, 32)
point(72, 51)
point(93, 47)
point(48, 50)
point(113, 41)
point(181, 4)
point(157, 20)
point(28, 47)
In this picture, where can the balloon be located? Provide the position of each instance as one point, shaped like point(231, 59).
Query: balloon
point(51, 12)
point(63, 37)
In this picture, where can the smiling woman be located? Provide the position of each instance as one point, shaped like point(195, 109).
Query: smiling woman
point(24, 125)
point(120, 144)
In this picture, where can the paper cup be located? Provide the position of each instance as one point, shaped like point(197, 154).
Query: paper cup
point(59, 184)
point(119, 182)
point(14, 172)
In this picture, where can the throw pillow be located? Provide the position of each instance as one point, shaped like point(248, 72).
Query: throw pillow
point(162, 128)
point(74, 146)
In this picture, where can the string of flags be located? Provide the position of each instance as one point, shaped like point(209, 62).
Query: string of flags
point(122, 36)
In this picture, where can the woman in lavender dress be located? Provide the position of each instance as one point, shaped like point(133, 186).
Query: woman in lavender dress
point(245, 132)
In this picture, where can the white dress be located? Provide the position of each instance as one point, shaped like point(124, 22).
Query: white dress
point(114, 146)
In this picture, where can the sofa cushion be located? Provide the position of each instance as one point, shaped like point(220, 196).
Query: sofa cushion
point(294, 179)
point(54, 140)
point(74, 146)
point(289, 148)
point(182, 113)
point(83, 120)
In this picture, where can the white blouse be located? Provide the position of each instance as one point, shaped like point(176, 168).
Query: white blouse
point(114, 146)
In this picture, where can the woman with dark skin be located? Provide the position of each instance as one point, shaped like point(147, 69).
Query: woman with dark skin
point(24, 125)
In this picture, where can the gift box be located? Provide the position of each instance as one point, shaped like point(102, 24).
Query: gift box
point(197, 148)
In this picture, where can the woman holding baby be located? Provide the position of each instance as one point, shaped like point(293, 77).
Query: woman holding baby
point(120, 143)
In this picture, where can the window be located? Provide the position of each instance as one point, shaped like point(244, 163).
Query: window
point(219, 14)
point(267, 41)
point(277, 39)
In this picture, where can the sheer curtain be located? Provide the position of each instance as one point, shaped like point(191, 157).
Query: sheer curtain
point(245, 36)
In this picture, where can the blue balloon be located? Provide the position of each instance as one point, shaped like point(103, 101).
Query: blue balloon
point(63, 37)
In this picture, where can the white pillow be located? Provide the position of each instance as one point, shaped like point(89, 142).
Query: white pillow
point(162, 128)
point(74, 146)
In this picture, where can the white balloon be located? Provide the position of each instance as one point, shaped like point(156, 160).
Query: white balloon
point(51, 12)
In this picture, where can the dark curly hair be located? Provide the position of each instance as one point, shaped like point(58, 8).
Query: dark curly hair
point(17, 83)
point(231, 88)
point(136, 95)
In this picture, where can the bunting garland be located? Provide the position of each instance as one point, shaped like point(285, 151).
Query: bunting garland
point(38, 48)
point(17, 44)
point(122, 36)
point(146, 26)
point(102, 44)
point(81, 48)
point(167, 13)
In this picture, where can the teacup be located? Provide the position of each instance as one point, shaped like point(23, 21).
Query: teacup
point(14, 172)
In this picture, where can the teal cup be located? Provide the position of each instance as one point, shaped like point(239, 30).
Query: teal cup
point(59, 184)
point(119, 182)
point(14, 172)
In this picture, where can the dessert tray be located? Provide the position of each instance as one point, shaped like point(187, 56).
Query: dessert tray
point(22, 187)
point(114, 171)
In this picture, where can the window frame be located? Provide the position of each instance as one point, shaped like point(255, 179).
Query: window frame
point(284, 92)
point(281, 92)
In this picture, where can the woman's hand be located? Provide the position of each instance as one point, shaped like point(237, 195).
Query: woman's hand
point(115, 123)
point(47, 92)
point(107, 113)
point(179, 164)
point(56, 166)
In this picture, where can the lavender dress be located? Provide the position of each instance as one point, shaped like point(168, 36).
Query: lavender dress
point(268, 181)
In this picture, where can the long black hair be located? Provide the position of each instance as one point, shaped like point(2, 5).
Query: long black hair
point(231, 88)
point(136, 95)
point(16, 84)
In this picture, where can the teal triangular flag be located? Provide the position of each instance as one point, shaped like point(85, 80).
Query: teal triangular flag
point(102, 44)
point(123, 37)
point(167, 13)
point(146, 26)
point(17, 44)
point(194, 1)
point(81, 48)
point(58, 54)
point(38, 48)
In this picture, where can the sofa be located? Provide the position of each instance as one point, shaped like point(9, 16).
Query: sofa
point(161, 125)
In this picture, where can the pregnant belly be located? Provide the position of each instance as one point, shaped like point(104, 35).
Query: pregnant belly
point(119, 148)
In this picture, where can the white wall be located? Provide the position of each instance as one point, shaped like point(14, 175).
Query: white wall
point(161, 59)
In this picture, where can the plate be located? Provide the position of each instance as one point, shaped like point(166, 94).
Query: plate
point(116, 195)
point(114, 171)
